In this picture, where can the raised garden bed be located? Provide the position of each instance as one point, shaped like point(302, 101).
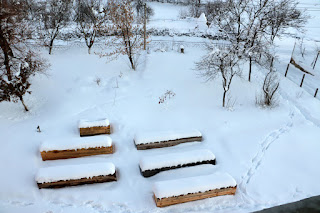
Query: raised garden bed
point(90, 128)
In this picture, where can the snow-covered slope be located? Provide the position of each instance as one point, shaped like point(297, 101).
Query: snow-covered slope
point(271, 153)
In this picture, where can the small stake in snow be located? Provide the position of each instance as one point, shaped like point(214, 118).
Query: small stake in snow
point(38, 129)
point(315, 94)
point(302, 80)
point(285, 75)
point(181, 49)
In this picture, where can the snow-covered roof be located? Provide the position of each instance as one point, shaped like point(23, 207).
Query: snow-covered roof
point(74, 172)
point(76, 143)
point(98, 123)
point(153, 137)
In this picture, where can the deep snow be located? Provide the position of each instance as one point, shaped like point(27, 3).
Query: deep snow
point(271, 153)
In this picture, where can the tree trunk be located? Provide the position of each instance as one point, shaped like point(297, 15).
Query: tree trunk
point(50, 46)
point(250, 68)
point(132, 63)
point(7, 51)
point(25, 107)
point(89, 50)
point(224, 98)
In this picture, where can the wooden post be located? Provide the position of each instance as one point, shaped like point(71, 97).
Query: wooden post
point(145, 27)
point(302, 80)
point(315, 94)
point(285, 75)
point(315, 61)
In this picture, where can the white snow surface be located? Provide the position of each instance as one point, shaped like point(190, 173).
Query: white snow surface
point(74, 172)
point(153, 136)
point(98, 123)
point(76, 143)
point(175, 159)
point(183, 186)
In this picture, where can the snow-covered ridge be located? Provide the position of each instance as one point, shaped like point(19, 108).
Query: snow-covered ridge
point(98, 123)
point(76, 143)
point(154, 137)
point(74, 172)
point(175, 159)
point(184, 186)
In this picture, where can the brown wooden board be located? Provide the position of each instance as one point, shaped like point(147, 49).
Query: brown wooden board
point(82, 181)
point(98, 130)
point(66, 154)
point(293, 62)
point(161, 144)
point(193, 196)
point(149, 173)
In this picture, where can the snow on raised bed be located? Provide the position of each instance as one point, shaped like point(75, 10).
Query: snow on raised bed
point(76, 143)
point(88, 124)
point(154, 137)
point(170, 188)
point(174, 159)
point(74, 172)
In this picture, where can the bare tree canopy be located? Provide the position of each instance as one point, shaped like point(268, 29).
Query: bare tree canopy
point(18, 62)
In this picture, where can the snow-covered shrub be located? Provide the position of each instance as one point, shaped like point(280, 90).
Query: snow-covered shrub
point(166, 96)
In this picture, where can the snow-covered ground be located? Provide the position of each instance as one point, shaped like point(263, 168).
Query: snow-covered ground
point(273, 154)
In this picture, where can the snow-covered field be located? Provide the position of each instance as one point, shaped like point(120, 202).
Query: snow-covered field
point(273, 154)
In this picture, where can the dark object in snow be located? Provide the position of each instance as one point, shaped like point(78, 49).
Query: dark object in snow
point(77, 153)
point(162, 144)
point(304, 75)
point(315, 94)
point(149, 173)
point(38, 129)
point(181, 49)
point(81, 181)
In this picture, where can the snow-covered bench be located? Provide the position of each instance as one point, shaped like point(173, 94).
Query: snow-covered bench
point(172, 192)
point(152, 140)
point(72, 175)
point(89, 128)
point(74, 148)
point(152, 165)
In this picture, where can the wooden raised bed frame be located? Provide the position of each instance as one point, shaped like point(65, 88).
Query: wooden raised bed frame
point(163, 202)
point(97, 130)
point(149, 173)
point(82, 181)
point(66, 154)
point(169, 143)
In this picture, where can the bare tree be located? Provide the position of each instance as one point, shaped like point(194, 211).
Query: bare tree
point(284, 14)
point(129, 39)
point(17, 62)
point(220, 62)
point(54, 16)
point(269, 88)
point(91, 19)
point(141, 8)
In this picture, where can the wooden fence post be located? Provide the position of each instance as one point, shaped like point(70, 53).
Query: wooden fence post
point(302, 80)
point(285, 75)
point(315, 94)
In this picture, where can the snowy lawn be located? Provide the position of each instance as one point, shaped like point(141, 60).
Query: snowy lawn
point(273, 154)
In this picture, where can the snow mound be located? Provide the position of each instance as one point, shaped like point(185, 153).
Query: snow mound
point(74, 172)
point(154, 137)
point(88, 124)
point(185, 186)
point(174, 159)
point(76, 143)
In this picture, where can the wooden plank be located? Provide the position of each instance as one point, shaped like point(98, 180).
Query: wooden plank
point(98, 130)
point(66, 154)
point(163, 202)
point(293, 62)
point(149, 173)
point(162, 144)
point(82, 181)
